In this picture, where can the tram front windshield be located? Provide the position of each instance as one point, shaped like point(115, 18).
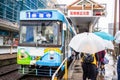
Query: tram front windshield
point(40, 32)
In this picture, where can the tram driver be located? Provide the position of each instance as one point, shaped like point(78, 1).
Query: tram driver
point(41, 38)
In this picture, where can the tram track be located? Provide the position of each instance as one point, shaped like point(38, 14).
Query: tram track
point(9, 72)
point(9, 67)
point(12, 75)
point(33, 77)
point(7, 62)
point(7, 59)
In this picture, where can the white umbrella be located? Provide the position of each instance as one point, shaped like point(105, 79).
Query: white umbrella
point(109, 44)
point(87, 43)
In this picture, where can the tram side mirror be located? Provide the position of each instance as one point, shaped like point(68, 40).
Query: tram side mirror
point(64, 26)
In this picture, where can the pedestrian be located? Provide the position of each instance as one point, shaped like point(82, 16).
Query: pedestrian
point(76, 55)
point(101, 63)
point(89, 69)
point(118, 68)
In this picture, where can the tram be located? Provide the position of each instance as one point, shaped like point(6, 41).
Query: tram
point(44, 38)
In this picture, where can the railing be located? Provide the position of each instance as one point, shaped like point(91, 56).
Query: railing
point(66, 71)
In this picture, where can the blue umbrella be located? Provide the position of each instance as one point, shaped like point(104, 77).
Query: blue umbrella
point(105, 35)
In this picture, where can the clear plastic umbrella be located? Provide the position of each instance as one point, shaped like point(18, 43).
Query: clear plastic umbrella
point(117, 37)
point(87, 43)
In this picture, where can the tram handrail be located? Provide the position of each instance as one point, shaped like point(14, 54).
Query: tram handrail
point(53, 77)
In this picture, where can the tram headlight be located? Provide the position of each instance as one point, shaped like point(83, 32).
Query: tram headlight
point(52, 54)
point(22, 51)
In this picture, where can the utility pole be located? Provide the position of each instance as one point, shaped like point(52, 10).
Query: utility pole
point(119, 22)
point(115, 17)
point(119, 16)
point(114, 29)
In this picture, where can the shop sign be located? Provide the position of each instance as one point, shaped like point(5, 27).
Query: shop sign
point(80, 13)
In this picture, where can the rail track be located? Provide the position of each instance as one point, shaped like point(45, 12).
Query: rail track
point(9, 67)
point(33, 77)
point(7, 59)
point(10, 72)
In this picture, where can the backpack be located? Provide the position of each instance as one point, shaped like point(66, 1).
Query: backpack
point(88, 58)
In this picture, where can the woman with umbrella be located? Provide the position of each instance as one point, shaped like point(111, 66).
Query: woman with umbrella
point(89, 66)
point(88, 43)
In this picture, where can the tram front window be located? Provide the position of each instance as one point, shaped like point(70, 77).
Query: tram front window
point(42, 32)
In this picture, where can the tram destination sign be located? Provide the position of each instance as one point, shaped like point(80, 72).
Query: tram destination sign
point(42, 14)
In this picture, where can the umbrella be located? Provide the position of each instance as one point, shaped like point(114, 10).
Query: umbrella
point(104, 35)
point(117, 37)
point(87, 43)
point(109, 45)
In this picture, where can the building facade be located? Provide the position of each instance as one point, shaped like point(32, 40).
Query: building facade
point(9, 9)
point(111, 28)
point(9, 18)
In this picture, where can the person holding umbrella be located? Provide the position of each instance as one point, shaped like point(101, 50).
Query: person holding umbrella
point(89, 66)
point(101, 63)
point(87, 42)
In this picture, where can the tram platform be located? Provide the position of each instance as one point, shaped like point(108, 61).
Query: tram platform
point(75, 71)
point(7, 56)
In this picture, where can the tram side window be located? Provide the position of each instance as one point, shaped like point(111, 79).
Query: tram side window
point(29, 34)
point(22, 34)
point(55, 32)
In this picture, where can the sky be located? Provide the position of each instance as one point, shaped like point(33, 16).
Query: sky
point(103, 21)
